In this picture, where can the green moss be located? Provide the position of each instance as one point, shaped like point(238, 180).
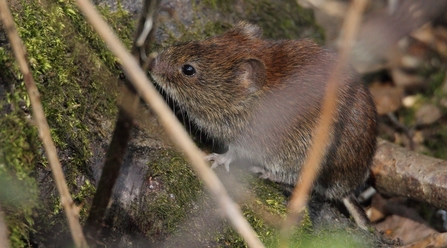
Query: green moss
point(18, 191)
point(18, 149)
point(265, 213)
point(303, 235)
point(223, 6)
point(436, 144)
point(406, 116)
point(293, 22)
point(434, 72)
point(332, 238)
point(63, 73)
point(436, 79)
point(214, 28)
point(77, 78)
point(83, 198)
point(121, 22)
point(176, 192)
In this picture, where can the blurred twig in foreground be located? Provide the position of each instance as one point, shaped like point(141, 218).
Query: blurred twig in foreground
point(123, 127)
point(71, 210)
point(313, 161)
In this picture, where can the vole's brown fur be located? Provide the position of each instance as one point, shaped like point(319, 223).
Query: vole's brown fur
point(262, 99)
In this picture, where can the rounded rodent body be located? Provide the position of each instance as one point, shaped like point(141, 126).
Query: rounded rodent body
point(262, 99)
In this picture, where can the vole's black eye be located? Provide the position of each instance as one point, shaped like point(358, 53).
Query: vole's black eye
point(188, 70)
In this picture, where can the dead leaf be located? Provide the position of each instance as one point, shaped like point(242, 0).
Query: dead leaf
point(406, 229)
point(427, 114)
point(406, 80)
point(388, 99)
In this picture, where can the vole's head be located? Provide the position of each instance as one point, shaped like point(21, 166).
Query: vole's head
point(215, 77)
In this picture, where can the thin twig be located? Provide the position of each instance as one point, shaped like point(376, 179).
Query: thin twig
point(121, 134)
point(71, 210)
point(171, 125)
point(409, 132)
point(322, 132)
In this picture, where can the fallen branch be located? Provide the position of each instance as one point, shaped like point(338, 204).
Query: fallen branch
point(172, 125)
point(400, 172)
point(71, 210)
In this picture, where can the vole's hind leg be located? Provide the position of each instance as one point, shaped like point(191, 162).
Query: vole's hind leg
point(220, 160)
point(357, 212)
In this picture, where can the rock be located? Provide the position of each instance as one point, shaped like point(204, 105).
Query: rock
point(427, 114)
point(410, 101)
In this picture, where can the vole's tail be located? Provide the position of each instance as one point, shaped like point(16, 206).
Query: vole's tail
point(357, 212)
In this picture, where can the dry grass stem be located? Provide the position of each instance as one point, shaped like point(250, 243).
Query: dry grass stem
point(322, 132)
point(71, 210)
point(172, 126)
point(122, 132)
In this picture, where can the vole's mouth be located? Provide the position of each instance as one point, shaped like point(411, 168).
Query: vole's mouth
point(161, 87)
point(168, 97)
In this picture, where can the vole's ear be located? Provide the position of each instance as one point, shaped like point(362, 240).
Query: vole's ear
point(252, 75)
point(250, 30)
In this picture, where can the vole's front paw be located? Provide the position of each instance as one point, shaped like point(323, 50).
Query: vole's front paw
point(261, 172)
point(219, 160)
